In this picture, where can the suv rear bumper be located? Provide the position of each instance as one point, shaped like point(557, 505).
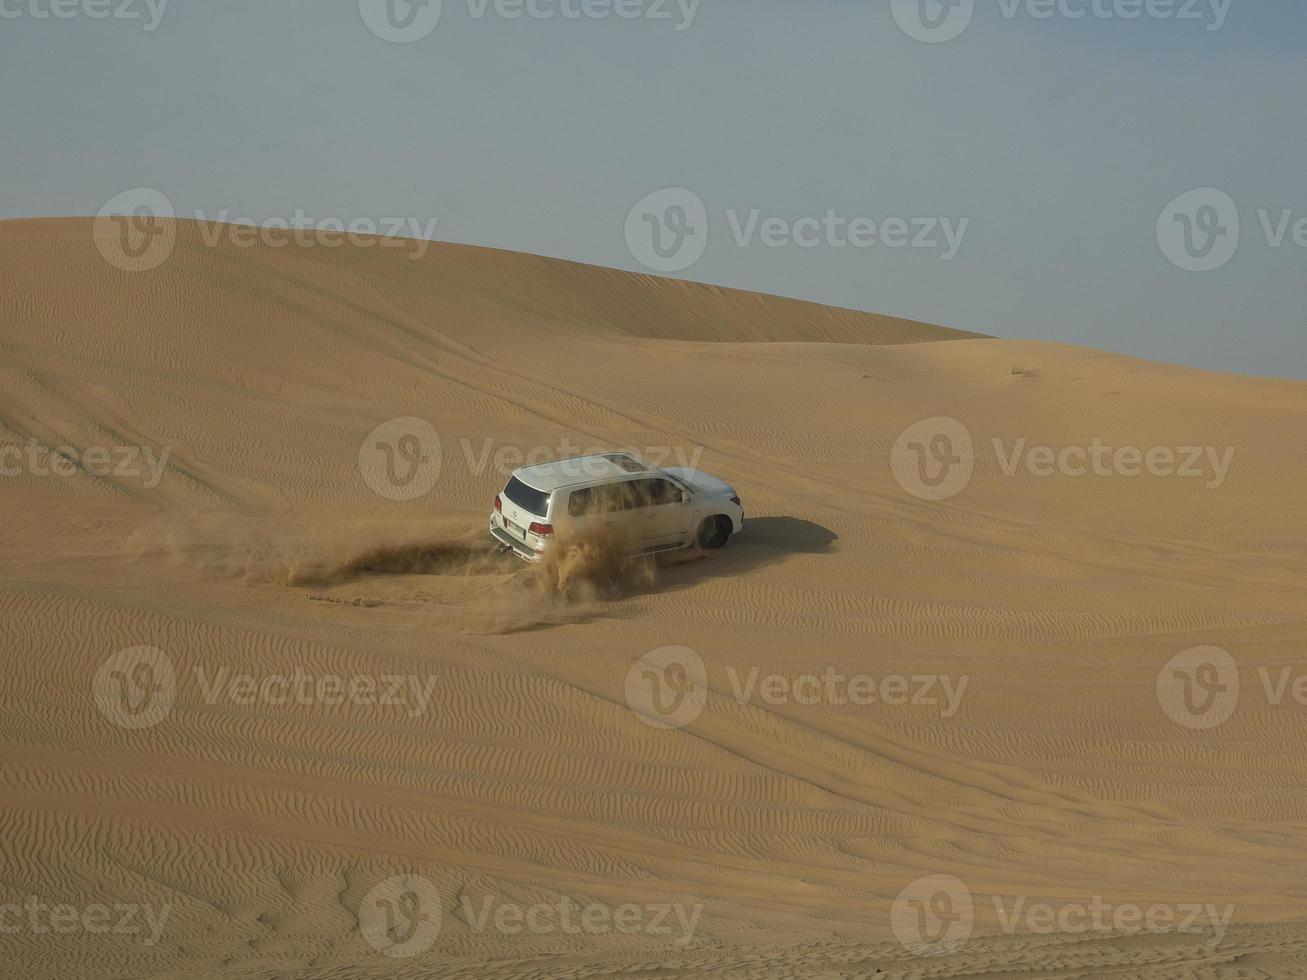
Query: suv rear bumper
point(518, 548)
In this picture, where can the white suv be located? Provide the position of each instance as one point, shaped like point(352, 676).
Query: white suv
point(645, 508)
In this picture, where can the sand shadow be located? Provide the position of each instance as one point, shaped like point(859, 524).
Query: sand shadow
point(764, 541)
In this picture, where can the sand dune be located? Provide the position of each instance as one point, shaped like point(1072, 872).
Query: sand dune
point(777, 833)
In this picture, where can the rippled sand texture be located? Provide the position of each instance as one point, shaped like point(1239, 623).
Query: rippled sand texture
point(511, 768)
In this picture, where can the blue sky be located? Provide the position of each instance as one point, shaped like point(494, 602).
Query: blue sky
point(1058, 141)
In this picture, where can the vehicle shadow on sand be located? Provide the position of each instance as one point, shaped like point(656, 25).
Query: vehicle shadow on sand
point(764, 541)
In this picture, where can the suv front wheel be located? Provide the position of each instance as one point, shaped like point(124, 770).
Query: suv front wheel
point(714, 533)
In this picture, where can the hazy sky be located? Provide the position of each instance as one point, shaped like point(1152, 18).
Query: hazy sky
point(1029, 157)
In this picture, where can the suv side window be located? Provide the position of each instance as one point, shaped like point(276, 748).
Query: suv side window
point(627, 495)
point(632, 494)
point(603, 499)
point(581, 503)
point(663, 492)
point(610, 497)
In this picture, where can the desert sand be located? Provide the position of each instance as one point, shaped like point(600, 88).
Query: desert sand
point(774, 831)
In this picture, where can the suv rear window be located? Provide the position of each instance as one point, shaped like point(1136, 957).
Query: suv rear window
point(530, 499)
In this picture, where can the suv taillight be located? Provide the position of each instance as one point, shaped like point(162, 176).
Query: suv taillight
point(541, 530)
point(736, 501)
point(499, 505)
